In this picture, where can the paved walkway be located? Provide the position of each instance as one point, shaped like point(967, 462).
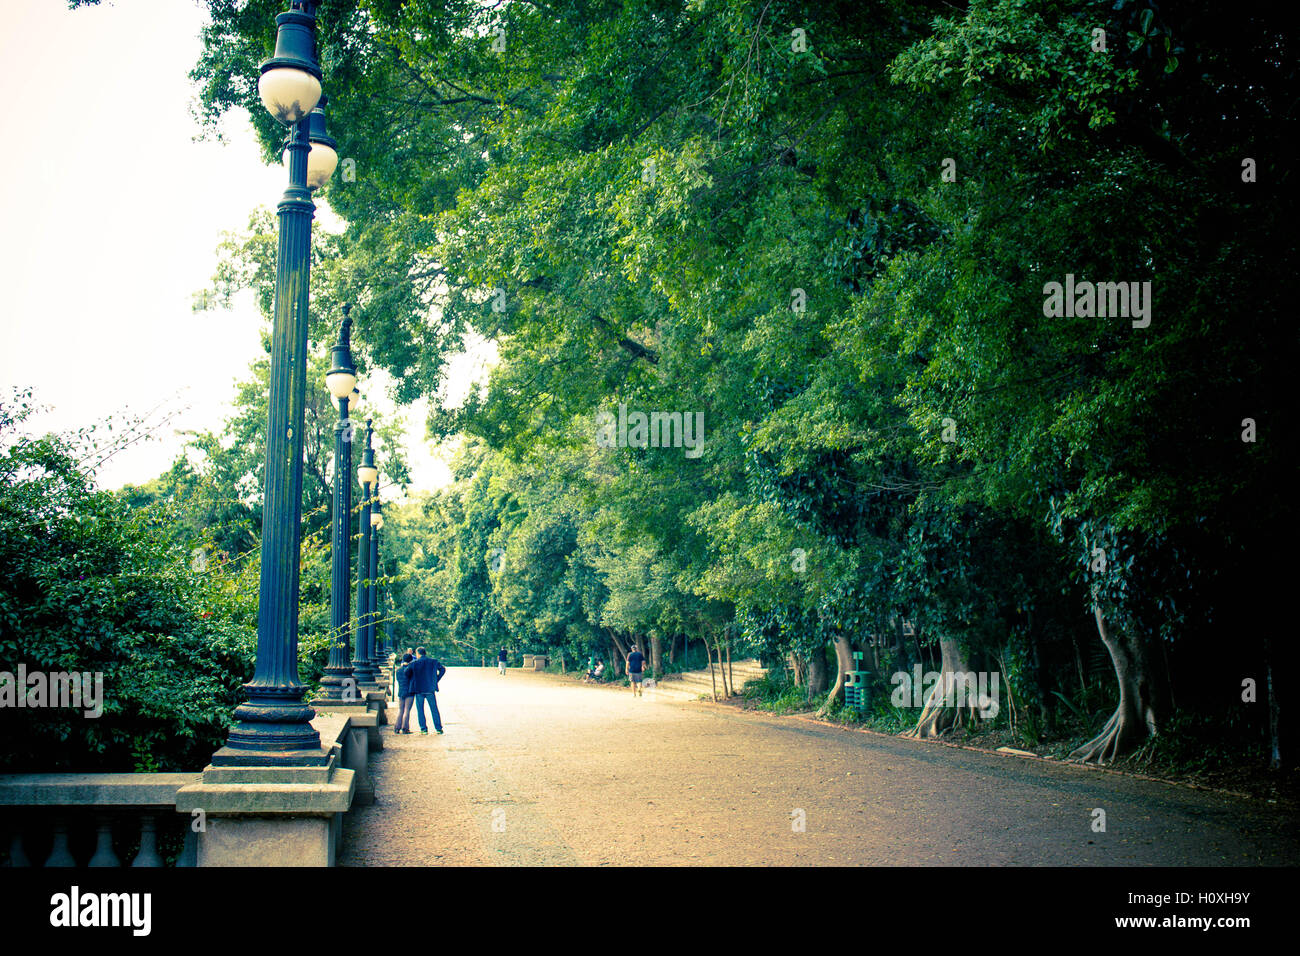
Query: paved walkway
point(538, 770)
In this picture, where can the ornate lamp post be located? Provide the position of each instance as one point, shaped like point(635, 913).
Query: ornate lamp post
point(337, 683)
point(362, 669)
point(390, 645)
point(273, 726)
point(323, 157)
point(377, 658)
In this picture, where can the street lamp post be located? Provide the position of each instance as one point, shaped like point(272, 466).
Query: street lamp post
point(273, 726)
point(338, 683)
point(375, 641)
point(362, 668)
point(390, 644)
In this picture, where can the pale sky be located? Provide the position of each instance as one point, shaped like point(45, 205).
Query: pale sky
point(111, 216)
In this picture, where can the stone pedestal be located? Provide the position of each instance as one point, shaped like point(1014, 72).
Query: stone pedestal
point(376, 697)
point(362, 708)
point(271, 815)
point(356, 757)
point(354, 742)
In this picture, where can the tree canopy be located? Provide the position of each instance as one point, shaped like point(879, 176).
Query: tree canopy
point(941, 333)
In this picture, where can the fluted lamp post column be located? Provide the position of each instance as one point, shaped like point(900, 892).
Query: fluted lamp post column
point(273, 727)
point(368, 475)
point(337, 683)
point(376, 642)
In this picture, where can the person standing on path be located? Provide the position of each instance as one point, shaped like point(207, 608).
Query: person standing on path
point(501, 661)
point(405, 695)
point(635, 662)
point(425, 674)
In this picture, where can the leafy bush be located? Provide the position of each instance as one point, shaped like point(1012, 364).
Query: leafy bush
point(94, 586)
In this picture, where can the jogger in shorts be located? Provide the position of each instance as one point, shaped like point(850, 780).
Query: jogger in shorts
point(635, 663)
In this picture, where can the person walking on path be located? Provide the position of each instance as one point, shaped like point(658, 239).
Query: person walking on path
point(501, 661)
point(425, 674)
point(405, 696)
point(635, 662)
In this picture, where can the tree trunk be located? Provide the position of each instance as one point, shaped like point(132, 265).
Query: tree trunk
point(797, 669)
point(731, 675)
point(817, 679)
point(1274, 716)
point(672, 648)
point(843, 664)
point(1134, 719)
point(1040, 677)
point(1078, 660)
point(656, 655)
point(722, 669)
point(712, 677)
point(939, 714)
point(619, 655)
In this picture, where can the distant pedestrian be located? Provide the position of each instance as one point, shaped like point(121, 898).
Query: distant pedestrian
point(501, 661)
point(405, 696)
point(425, 674)
point(635, 664)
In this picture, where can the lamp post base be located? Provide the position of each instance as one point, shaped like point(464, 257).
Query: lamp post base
point(271, 729)
point(338, 686)
point(229, 756)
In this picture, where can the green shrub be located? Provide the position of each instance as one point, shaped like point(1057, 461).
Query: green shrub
point(93, 586)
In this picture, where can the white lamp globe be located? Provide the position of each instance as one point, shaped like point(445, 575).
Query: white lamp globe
point(340, 383)
point(321, 161)
point(288, 94)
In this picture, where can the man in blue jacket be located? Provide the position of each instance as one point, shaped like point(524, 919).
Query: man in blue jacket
point(425, 674)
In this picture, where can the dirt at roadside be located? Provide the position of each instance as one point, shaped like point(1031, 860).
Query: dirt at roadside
point(1245, 779)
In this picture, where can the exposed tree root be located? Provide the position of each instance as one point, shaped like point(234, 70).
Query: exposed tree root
point(938, 715)
point(1109, 744)
point(1134, 719)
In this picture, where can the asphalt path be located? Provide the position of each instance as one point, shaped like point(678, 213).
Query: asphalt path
point(535, 769)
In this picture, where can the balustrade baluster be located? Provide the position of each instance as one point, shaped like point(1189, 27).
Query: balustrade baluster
point(60, 855)
point(17, 858)
point(104, 855)
point(148, 855)
point(190, 851)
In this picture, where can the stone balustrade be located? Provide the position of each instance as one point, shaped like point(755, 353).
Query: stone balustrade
point(224, 816)
point(93, 819)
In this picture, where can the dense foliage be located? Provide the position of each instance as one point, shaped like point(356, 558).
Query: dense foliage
point(831, 233)
point(97, 586)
